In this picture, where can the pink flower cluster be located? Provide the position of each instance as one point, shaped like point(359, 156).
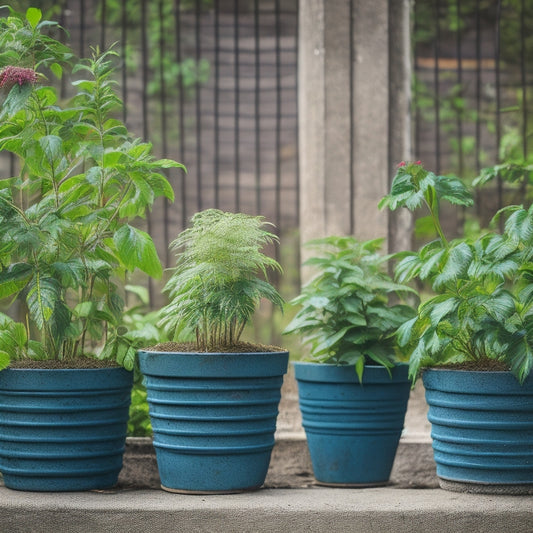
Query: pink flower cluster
point(10, 76)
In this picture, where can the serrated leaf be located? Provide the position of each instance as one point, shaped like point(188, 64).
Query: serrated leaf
point(456, 265)
point(405, 331)
point(136, 249)
point(14, 278)
point(42, 297)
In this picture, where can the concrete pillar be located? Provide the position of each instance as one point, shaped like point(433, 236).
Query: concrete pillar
point(354, 79)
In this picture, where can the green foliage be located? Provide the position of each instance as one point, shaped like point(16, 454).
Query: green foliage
point(139, 424)
point(66, 242)
point(219, 279)
point(23, 43)
point(346, 315)
point(482, 309)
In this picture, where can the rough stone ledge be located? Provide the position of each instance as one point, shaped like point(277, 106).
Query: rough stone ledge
point(315, 509)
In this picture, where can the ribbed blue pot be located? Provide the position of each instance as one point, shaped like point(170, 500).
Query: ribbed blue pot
point(213, 417)
point(481, 425)
point(352, 429)
point(63, 430)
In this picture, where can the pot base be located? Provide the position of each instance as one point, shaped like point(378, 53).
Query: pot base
point(352, 485)
point(208, 492)
point(482, 488)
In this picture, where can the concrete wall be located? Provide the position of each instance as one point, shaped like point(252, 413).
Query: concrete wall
point(354, 79)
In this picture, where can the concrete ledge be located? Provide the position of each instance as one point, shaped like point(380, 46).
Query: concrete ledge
point(268, 510)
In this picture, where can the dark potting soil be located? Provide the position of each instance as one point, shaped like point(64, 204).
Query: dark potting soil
point(238, 347)
point(78, 362)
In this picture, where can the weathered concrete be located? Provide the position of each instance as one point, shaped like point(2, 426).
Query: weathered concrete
point(271, 510)
point(354, 79)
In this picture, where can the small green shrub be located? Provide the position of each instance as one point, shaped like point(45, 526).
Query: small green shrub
point(346, 315)
point(219, 279)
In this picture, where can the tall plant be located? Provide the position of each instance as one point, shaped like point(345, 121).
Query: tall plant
point(219, 279)
point(66, 240)
point(481, 316)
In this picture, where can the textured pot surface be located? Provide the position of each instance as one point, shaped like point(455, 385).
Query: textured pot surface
point(63, 430)
point(352, 429)
point(213, 417)
point(482, 426)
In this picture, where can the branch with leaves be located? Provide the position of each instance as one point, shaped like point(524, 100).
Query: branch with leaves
point(482, 312)
point(67, 237)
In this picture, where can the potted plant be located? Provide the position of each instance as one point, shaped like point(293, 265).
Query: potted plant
point(214, 401)
point(66, 244)
point(353, 393)
point(472, 340)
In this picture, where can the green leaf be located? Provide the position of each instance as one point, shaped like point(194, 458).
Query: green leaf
point(43, 294)
point(84, 309)
point(57, 70)
point(136, 249)
point(19, 334)
point(14, 278)
point(360, 368)
point(456, 265)
point(52, 146)
point(15, 100)
point(33, 16)
point(4, 359)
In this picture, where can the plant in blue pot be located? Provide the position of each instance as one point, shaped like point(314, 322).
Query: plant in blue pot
point(76, 181)
point(353, 391)
point(472, 341)
point(213, 398)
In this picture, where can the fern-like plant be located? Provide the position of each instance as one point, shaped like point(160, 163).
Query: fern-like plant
point(481, 316)
point(346, 315)
point(219, 279)
point(66, 241)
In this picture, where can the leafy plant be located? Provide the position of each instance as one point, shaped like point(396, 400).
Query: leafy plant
point(482, 314)
point(219, 279)
point(346, 315)
point(66, 242)
point(139, 424)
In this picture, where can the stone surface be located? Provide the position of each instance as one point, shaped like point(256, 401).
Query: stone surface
point(316, 509)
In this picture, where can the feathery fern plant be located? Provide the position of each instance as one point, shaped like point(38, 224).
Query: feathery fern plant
point(346, 315)
point(481, 316)
point(219, 279)
point(65, 234)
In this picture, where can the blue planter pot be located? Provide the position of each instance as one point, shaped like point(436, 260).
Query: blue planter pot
point(352, 430)
point(213, 417)
point(63, 430)
point(482, 429)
